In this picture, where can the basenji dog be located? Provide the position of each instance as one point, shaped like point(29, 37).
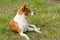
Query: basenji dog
point(19, 23)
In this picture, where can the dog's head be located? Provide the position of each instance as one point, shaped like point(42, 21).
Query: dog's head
point(26, 11)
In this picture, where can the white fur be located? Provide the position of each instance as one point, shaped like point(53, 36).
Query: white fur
point(32, 13)
point(22, 23)
point(24, 26)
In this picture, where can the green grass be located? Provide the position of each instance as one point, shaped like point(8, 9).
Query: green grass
point(47, 18)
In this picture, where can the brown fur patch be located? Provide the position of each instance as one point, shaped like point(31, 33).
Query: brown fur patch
point(14, 26)
point(24, 10)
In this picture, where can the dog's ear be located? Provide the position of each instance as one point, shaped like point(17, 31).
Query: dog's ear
point(24, 8)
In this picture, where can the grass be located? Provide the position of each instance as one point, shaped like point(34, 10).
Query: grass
point(47, 18)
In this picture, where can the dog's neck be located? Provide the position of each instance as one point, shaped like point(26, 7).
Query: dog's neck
point(21, 17)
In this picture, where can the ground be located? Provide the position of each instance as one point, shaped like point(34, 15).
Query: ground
point(47, 18)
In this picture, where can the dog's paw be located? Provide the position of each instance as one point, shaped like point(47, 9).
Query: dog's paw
point(38, 31)
point(28, 39)
point(38, 28)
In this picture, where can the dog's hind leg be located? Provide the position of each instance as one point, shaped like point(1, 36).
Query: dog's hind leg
point(24, 35)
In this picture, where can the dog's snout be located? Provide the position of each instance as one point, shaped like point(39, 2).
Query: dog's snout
point(33, 13)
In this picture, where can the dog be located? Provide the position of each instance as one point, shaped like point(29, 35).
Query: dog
point(19, 23)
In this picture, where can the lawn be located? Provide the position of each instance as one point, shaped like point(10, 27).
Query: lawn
point(47, 18)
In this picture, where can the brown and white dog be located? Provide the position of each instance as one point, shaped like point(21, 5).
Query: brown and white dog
point(19, 23)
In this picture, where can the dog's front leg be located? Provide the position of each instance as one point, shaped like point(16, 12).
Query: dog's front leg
point(34, 26)
point(36, 29)
point(30, 29)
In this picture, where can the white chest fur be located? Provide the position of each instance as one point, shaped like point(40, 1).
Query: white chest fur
point(22, 22)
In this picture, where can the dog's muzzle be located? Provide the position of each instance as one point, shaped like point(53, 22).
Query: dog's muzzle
point(32, 13)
